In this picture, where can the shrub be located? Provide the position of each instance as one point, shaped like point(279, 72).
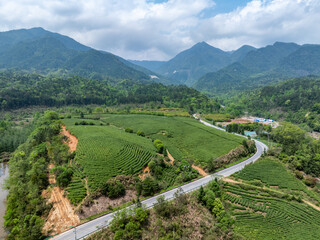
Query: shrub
point(310, 181)
point(162, 207)
point(140, 133)
point(115, 189)
point(159, 145)
point(128, 130)
point(298, 174)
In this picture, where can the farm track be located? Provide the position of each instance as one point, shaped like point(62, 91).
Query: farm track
point(103, 221)
point(72, 140)
point(62, 214)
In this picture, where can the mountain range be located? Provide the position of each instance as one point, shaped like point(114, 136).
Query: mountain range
point(189, 65)
point(40, 51)
point(262, 67)
point(202, 67)
point(217, 72)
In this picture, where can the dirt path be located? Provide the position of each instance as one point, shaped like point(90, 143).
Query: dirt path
point(62, 215)
point(72, 140)
point(146, 173)
point(200, 170)
point(230, 180)
point(311, 204)
point(170, 157)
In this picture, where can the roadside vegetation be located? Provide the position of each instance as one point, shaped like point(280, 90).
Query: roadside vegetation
point(198, 215)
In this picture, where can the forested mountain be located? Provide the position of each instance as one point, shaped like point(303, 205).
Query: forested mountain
point(240, 53)
point(24, 90)
point(10, 38)
point(296, 100)
point(39, 51)
point(262, 67)
point(193, 63)
point(151, 65)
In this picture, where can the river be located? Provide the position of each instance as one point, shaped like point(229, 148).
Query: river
point(4, 173)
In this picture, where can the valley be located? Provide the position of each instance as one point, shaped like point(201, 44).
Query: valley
point(207, 144)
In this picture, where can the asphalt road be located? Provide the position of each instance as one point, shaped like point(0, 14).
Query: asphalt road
point(88, 228)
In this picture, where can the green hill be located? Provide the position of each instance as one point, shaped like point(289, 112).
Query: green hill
point(193, 63)
point(258, 68)
point(24, 90)
point(263, 67)
point(39, 51)
point(295, 100)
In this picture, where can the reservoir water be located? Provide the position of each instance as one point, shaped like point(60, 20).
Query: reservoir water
point(4, 173)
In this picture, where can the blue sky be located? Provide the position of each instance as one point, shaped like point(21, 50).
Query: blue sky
point(158, 30)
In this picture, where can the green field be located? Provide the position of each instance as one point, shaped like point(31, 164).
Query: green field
point(184, 137)
point(271, 172)
point(273, 210)
point(105, 150)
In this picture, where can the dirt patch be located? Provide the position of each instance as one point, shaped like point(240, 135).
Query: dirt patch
point(200, 170)
point(72, 140)
point(311, 204)
point(62, 214)
point(145, 173)
point(229, 180)
point(315, 135)
point(170, 157)
point(104, 203)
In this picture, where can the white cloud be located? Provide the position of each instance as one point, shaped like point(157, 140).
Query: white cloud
point(140, 29)
point(264, 22)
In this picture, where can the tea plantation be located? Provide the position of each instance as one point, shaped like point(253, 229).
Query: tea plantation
point(273, 208)
point(184, 137)
point(106, 150)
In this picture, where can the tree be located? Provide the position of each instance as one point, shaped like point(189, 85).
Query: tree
point(290, 136)
point(217, 207)
point(201, 195)
point(4, 104)
point(115, 189)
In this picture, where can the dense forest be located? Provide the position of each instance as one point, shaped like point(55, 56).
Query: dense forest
point(28, 178)
point(12, 135)
point(24, 90)
point(295, 100)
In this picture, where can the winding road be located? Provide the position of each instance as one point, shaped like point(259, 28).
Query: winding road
point(90, 227)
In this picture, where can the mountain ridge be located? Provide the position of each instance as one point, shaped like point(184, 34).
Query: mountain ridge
point(40, 51)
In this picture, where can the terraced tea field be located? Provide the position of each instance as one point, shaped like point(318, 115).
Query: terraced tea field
point(184, 137)
point(106, 151)
point(274, 210)
point(272, 173)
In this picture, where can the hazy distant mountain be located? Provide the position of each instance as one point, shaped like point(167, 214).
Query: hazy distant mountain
point(151, 65)
point(263, 66)
point(304, 61)
point(193, 63)
point(240, 53)
point(10, 38)
point(38, 50)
